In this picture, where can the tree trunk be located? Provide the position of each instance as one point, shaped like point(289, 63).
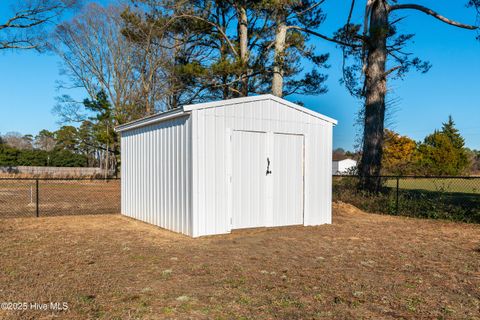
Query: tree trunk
point(375, 92)
point(174, 85)
point(145, 83)
point(106, 157)
point(148, 109)
point(243, 44)
point(279, 56)
point(224, 51)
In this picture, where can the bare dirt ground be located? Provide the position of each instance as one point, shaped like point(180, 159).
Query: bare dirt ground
point(364, 266)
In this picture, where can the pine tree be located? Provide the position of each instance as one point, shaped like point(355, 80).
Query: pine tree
point(444, 152)
point(231, 48)
point(66, 138)
point(104, 127)
point(448, 128)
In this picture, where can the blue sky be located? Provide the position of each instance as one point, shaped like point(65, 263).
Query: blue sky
point(452, 86)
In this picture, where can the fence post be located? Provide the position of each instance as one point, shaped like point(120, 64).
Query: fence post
point(396, 205)
point(37, 200)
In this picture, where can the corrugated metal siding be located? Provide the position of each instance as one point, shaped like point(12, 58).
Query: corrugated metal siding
point(157, 174)
point(288, 179)
point(248, 179)
point(212, 198)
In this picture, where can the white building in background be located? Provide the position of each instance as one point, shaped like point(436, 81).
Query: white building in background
point(344, 166)
point(209, 168)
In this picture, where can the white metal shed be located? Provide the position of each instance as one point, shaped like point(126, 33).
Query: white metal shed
point(209, 168)
point(343, 166)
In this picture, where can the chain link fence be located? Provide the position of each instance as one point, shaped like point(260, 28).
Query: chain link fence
point(54, 197)
point(451, 198)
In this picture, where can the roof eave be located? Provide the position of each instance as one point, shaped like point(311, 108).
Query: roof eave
point(185, 110)
point(152, 119)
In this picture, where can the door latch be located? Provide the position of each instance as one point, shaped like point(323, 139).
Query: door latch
point(268, 167)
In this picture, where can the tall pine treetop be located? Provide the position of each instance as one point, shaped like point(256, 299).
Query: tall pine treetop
point(449, 129)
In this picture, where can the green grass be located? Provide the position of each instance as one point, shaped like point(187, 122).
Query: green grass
point(455, 199)
point(452, 185)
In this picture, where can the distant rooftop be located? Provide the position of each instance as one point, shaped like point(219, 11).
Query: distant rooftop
point(340, 157)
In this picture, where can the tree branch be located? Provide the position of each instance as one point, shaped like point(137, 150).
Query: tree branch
point(431, 13)
point(5, 46)
point(17, 44)
point(222, 32)
point(388, 72)
point(34, 16)
point(34, 22)
point(311, 8)
point(342, 43)
point(350, 13)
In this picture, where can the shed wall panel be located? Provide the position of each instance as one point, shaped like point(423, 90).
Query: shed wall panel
point(211, 159)
point(248, 179)
point(157, 174)
point(288, 179)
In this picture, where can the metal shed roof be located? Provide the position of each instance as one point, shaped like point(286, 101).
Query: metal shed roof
point(185, 110)
point(175, 113)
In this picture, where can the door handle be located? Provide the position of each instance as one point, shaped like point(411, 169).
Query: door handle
point(268, 167)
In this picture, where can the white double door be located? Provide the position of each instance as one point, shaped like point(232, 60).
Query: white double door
point(267, 186)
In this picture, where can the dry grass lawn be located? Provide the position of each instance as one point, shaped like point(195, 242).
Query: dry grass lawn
point(364, 266)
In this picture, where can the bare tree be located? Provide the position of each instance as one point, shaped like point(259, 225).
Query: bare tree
point(378, 52)
point(151, 56)
point(26, 27)
point(178, 44)
point(96, 57)
point(18, 141)
point(120, 70)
